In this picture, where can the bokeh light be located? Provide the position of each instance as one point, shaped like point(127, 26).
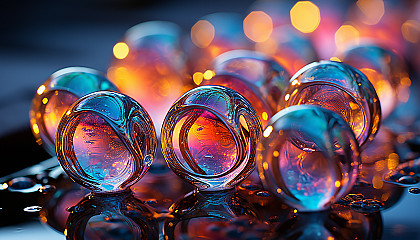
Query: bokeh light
point(121, 50)
point(202, 33)
point(305, 16)
point(258, 26)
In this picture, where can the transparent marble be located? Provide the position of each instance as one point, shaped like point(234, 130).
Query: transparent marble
point(153, 70)
point(106, 141)
point(55, 95)
point(257, 77)
point(341, 88)
point(209, 137)
point(385, 69)
point(120, 216)
point(308, 156)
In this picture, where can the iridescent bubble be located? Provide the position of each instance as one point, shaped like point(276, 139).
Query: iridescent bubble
point(260, 79)
point(342, 89)
point(106, 141)
point(55, 96)
point(385, 69)
point(209, 137)
point(149, 66)
point(308, 156)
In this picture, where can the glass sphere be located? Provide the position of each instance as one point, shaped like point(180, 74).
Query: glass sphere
point(385, 69)
point(55, 95)
point(209, 137)
point(308, 156)
point(341, 88)
point(260, 79)
point(106, 141)
point(149, 66)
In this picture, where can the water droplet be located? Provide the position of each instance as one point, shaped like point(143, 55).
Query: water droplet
point(352, 197)
point(414, 190)
point(47, 189)
point(32, 209)
point(263, 194)
point(409, 180)
point(21, 183)
point(367, 206)
point(249, 186)
point(362, 183)
point(151, 202)
point(75, 209)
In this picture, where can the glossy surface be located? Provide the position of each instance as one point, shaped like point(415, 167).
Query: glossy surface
point(385, 69)
point(55, 96)
point(342, 89)
point(152, 71)
point(209, 137)
point(308, 156)
point(111, 217)
point(260, 79)
point(106, 141)
point(197, 213)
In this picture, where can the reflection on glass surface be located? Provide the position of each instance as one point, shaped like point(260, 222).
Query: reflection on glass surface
point(119, 216)
point(209, 214)
point(337, 223)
